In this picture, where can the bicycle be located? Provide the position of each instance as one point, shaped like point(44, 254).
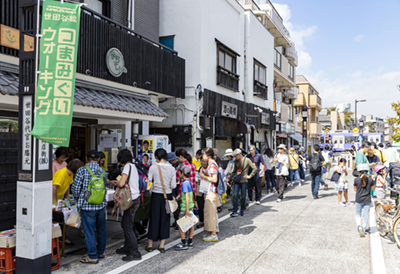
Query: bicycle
point(388, 218)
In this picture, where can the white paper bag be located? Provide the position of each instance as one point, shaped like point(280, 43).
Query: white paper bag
point(204, 186)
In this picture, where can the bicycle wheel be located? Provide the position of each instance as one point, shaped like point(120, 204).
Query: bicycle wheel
point(396, 231)
point(380, 225)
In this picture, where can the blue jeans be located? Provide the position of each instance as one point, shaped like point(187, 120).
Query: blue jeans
point(315, 180)
point(364, 207)
point(94, 219)
point(269, 177)
point(254, 182)
point(243, 190)
point(294, 175)
point(301, 172)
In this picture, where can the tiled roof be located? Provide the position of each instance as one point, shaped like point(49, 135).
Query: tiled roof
point(92, 98)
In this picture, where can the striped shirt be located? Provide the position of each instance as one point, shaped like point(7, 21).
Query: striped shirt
point(81, 183)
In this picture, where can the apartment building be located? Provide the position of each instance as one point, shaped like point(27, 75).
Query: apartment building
point(374, 124)
point(284, 70)
point(388, 133)
point(229, 53)
point(309, 96)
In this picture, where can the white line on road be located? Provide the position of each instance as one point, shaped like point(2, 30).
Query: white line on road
point(377, 259)
point(170, 245)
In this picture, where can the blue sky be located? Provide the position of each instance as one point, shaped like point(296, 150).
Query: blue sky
point(348, 50)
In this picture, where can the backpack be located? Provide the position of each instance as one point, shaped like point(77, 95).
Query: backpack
point(96, 189)
point(220, 184)
point(326, 156)
point(315, 163)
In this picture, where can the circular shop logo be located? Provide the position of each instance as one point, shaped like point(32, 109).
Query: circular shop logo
point(115, 62)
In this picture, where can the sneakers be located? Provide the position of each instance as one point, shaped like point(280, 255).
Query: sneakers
point(349, 204)
point(211, 238)
point(121, 251)
point(341, 204)
point(326, 187)
point(181, 246)
point(274, 190)
point(269, 191)
point(101, 256)
point(258, 203)
point(234, 214)
point(129, 258)
point(316, 197)
point(361, 231)
point(189, 245)
point(241, 213)
point(299, 183)
point(279, 200)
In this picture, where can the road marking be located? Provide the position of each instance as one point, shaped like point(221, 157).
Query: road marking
point(171, 244)
point(377, 259)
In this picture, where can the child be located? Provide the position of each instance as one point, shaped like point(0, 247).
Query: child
point(187, 207)
point(362, 186)
point(342, 185)
point(380, 180)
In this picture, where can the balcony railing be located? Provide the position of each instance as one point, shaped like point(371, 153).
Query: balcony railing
point(260, 90)
point(315, 101)
point(227, 79)
point(149, 65)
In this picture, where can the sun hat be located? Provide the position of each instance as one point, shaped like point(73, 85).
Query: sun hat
point(237, 152)
point(282, 146)
point(228, 152)
point(363, 167)
point(171, 156)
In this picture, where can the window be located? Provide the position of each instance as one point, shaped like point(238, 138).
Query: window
point(167, 41)
point(291, 71)
point(277, 60)
point(100, 6)
point(226, 60)
point(260, 74)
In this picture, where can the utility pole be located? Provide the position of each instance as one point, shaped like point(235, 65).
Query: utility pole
point(34, 185)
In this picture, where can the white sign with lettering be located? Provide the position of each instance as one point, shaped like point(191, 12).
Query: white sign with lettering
point(229, 110)
point(43, 155)
point(265, 118)
point(27, 138)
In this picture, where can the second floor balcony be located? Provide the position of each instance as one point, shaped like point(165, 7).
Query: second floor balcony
point(315, 102)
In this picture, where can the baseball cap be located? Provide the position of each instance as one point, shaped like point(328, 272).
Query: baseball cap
point(185, 170)
point(93, 154)
point(237, 152)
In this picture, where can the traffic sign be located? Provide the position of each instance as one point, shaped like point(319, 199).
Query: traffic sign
point(356, 130)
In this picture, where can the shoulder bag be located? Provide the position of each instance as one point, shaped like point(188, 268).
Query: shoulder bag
point(236, 179)
point(170, 205)
point(122, 195)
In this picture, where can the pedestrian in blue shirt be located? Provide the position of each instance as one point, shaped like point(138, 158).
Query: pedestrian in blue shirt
point(254, 182)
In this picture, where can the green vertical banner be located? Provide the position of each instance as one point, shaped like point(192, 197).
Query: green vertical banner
point(57, 66)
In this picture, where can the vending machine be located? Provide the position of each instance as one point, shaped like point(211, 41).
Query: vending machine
point(148, 144)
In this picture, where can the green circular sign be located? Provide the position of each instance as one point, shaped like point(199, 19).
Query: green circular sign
point(115, 62)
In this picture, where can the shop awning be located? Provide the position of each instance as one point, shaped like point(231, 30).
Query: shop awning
point(134, 107)
point(299, 138)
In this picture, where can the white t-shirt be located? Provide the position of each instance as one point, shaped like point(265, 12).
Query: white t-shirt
point(283, 169)
point(133, 180)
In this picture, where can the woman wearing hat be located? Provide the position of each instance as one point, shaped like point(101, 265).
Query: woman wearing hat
point(282, 165)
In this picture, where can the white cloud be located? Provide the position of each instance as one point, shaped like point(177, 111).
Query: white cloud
point(359, 37)
point(297, 34)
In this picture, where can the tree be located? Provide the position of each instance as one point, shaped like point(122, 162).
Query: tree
point(329, 110)
point(348, 116)
point(370, 126)
point(396, 120)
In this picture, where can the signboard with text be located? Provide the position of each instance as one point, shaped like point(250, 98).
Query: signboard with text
point(57, 66)
point(229, 110)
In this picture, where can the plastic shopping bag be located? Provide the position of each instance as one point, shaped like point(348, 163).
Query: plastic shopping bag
point(74, 218)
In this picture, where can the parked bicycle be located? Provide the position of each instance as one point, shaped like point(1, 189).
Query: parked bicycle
point(388, 216)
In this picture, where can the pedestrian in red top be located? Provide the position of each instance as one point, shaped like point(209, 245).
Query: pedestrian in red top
point(182, 155)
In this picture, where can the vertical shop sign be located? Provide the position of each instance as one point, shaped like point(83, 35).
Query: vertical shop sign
point(43, 159)
point(57, 66)
point(27, 138)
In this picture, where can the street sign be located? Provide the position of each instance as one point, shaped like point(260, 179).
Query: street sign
point(360, 138)
point(356, 130)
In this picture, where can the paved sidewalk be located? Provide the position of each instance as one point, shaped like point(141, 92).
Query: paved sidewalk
point(299, 235)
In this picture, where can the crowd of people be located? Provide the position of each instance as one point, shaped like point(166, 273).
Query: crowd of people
point(177, 176)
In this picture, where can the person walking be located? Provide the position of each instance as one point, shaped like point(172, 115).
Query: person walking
point(281, 161)
point(315, 161)
point(163, 176)
point(93, 215)
point(342, 185)
point(302, 162)
point(212, 199)
point(241, 171)
point(294, 166)
point(328, 156)
point(269, 173)
point(254, 181)
point(362, 186)
point(129, 179)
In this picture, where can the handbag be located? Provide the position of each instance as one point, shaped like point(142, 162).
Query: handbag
point(236, 179)
point(170, 205)
point(123, 195)
point(335, 176)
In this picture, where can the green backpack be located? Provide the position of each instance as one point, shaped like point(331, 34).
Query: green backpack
point(96, 189)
